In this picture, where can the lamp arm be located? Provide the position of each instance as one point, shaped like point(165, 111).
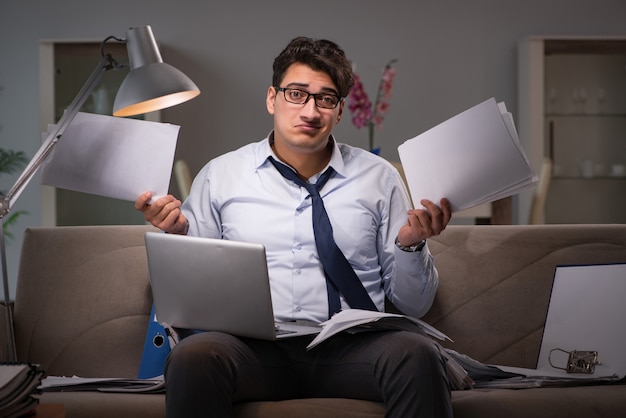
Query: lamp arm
point(106, 63)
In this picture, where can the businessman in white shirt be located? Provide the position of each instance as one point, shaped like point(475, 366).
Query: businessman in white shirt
point(243, 196)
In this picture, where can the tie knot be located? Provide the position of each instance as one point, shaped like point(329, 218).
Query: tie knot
point(312, 188)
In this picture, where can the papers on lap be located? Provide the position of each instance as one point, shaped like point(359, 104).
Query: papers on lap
point(356, 320)
point(472, 158)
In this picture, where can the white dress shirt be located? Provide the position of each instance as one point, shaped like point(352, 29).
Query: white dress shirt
point(241, 196)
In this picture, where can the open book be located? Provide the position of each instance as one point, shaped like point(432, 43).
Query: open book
point(472, 158)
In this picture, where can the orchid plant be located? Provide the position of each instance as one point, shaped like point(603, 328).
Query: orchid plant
point(363, 115)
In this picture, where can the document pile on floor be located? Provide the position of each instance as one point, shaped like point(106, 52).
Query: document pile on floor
point(18, 382)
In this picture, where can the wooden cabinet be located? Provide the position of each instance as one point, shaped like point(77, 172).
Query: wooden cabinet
point(572, 110)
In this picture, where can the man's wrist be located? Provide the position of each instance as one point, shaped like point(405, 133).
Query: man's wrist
point(411, 248)
point(180, 231)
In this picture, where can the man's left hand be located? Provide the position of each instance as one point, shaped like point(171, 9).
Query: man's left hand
point(425, 223)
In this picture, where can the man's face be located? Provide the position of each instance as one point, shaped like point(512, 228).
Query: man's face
point(303, 128)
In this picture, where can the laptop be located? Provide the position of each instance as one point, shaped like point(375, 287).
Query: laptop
point(214, 285)
point(586, 314)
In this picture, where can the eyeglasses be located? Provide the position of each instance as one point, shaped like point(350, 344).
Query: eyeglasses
point(297, 96)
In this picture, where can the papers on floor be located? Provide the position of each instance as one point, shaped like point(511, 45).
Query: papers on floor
point(121, 385)
point(18, 382)
point(113, 157)
point(472, 158)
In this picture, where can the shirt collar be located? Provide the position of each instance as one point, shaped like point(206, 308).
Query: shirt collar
point(265, 151)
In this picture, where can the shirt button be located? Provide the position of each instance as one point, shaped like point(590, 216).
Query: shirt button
point(298, 308)
point(298, 271)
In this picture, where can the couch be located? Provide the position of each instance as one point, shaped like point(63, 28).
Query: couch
point(83, 302)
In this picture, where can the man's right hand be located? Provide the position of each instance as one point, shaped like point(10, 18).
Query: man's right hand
point(164, 213)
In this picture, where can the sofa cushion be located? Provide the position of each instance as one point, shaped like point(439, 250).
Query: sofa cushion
point(564, 402)
point(83, 300)
point(587, 401)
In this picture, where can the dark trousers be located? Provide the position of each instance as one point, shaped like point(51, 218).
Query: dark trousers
point(206, 373)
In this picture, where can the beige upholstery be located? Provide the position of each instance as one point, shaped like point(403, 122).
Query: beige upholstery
point(83, 302)
point(540, 195)
point(81, 298)
point(183, 178)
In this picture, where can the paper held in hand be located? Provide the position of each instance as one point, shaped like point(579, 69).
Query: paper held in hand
point(472, 158)
point(113, 157)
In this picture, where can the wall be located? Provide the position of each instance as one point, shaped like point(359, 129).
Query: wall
point(451, 55)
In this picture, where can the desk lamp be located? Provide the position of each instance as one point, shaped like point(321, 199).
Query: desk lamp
point(150, 85)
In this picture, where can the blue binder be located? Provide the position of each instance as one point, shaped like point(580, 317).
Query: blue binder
point(155, 350)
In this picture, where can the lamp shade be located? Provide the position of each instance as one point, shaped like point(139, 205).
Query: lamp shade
point(151, 84)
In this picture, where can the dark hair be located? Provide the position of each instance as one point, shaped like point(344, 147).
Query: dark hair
point(320, 55)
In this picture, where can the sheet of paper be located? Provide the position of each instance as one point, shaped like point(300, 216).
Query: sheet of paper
point(114, 157)
point(472, 158)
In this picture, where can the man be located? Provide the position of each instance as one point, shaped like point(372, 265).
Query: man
point(243, 196)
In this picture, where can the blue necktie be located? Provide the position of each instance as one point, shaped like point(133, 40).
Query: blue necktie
point(340, 276)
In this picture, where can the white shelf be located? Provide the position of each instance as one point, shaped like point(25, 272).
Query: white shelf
point(573, 116)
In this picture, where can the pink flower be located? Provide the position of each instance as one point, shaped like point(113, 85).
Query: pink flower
point(384, 94)
point(361, 106)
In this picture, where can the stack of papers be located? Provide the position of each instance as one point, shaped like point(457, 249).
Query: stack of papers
point(18, 382)
point(472, 158)
point(533, 378)
point(113, 157)
point(102, 384)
